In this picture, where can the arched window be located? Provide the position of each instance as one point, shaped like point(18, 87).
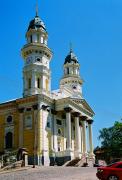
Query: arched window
point(59, 132)
point(38, 82)
point(67, 70)
point(59, 146)
point(9, 140)
point(38, 37)
point(29, 83)
point(45, 42)
point(31, 39)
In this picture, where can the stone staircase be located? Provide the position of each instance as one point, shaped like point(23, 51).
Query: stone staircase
point(85, 163)
point(15, 165)
point(80, 162)
point(72, 162)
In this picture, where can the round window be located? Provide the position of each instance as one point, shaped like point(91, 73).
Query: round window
point(9, 119)
point(38, 59)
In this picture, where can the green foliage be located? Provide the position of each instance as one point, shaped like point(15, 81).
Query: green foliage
point(111, 140)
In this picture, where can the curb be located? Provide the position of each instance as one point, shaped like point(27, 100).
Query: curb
point(14, 170)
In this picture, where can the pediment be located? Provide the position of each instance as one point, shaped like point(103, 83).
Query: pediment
point(83, 103)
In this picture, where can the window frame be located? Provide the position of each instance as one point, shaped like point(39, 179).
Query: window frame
point(27, 125)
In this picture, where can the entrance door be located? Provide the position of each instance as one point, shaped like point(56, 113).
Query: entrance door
point(9, 140)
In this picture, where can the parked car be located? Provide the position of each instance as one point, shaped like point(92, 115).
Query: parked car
point(96, 165)
point(110, 172)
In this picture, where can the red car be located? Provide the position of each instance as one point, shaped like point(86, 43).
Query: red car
point(111, 172)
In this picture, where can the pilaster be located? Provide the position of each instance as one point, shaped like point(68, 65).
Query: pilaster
point(45, 141)
point(54, 132)
point(21, 124)
point(35, 121)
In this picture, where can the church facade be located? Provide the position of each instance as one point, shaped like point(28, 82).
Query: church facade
point(54, 126)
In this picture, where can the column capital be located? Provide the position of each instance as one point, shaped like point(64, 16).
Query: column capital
point(76, 114)
point(21, 110)
point(90, 121)
point(53, 111)
point(35, 107)
point(67, 109)
point(83, 118)
point(45, 107)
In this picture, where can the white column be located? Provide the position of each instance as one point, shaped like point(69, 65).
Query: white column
point(45, 140)
point(68, 127)
point(77, 136)
point(64, 134)
point(84, 138)
point(39, 135)
point(52, 132)
point(81, 132)
point(21, 119)
point(90, 136)
point(55, 135)
point(35, 127)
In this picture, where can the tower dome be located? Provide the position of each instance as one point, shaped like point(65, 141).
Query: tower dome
point(71, 58)
point(36, 23)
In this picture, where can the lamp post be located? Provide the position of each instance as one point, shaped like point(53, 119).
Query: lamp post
point(35, 107)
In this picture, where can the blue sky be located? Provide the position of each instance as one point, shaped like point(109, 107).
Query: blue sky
point(95, 30)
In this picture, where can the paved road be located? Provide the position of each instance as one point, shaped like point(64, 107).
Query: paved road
point(52, 173)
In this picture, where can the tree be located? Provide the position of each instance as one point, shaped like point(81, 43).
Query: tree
point(111, 140)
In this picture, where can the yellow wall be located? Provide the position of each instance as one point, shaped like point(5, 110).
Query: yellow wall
point(28, 137)
point(2, 133)
point(16, 130)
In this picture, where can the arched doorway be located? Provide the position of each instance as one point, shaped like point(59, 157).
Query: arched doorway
point(9, 140)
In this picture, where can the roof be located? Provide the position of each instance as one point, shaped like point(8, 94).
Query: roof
point(71, 58)
point(36, 23)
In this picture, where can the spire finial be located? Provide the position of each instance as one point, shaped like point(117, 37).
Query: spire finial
point(37, 8)
point(70, 45)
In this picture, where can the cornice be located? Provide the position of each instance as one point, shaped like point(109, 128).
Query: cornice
point(27, 99)
point(72, 65)
point(71, 79)
point(32, 47)
point(8, 105)
point(40, 31)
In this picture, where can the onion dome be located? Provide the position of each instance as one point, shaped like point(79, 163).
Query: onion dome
point(71, 58)
point(37, 23)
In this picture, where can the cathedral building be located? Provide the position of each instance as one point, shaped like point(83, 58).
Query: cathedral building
point(54, 126)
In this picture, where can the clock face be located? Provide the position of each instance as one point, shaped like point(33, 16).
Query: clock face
point(74, 86)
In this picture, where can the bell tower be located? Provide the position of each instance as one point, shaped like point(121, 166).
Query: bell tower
point(71, 79)
point(37, 56)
